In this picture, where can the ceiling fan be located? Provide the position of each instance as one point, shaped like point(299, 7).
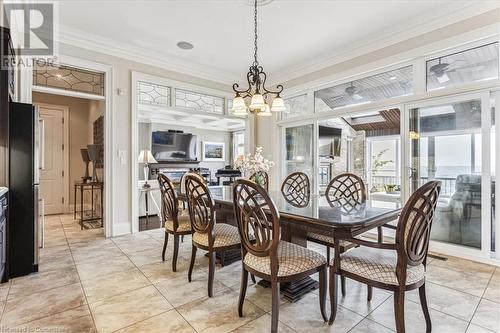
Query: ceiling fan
point(442, 69)
point(351, 91)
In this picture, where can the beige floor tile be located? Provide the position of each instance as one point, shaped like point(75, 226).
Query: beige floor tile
point(39, 305)
point(55, 264)
point(230, 275)
point(35, 283)
point(219, 313)
point(77, 320)
point(449, 301)
point(414, 318)
point(148, 257)
point(473, 328)
point(263, 324)
point(488, 315)
point(170, 321)
point(105, 250)
point(55, 252)
point(4, 290)
point(140, 245)
point(356, 297)
point(158, 272)
point(468, 282)
point(103, 266)
point(369, 326)
point(463, 265)
point(259, 296)
point(126, 309)
point(492, 292)
point(305, 316)
point(109, 285)
point(178, 291)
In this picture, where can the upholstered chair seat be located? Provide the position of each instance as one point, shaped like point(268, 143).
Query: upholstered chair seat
point(184, 223)
point(292, 259)
point(225, 235)
point(378, 265)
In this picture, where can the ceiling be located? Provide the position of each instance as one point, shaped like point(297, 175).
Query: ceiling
point(293, 34)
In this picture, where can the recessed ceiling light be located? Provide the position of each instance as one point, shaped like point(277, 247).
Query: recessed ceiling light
point(185, 45)
point(392, 78)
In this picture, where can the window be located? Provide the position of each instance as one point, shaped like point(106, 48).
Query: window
point(198, 101)
point(153, 94)
point(238, 144)
point(395, 83)
point(296, 106)
point(69, 78)
point(473, 65)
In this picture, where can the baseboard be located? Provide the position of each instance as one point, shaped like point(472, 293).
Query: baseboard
point(121, 228)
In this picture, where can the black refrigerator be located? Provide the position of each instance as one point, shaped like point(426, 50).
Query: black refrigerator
point(24, 173)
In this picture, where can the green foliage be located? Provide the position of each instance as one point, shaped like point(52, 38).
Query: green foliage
point(378, 162)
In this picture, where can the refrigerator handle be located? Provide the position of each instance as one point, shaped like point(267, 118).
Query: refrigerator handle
point(41, 154)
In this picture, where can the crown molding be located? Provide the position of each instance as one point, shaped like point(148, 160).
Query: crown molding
point(131, 52)
point(420, 25)
point(406, 30)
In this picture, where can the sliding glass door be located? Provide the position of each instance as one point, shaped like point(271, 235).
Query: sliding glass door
point(450, 140)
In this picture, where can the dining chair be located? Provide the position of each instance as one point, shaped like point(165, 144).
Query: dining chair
point(263, 179)
point(345, 191)
point(264, 254)
point(296, 189)
point(176, 222)
point(207, 234)
point(398, 266)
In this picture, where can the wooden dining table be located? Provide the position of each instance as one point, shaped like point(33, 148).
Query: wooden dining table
point(343, 221)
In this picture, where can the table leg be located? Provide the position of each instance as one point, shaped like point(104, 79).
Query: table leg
point(74, 206)
point(81, 207)
point(147, 208)
point(102, 206)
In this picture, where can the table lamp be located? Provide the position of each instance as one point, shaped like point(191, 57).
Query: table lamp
point(146, 158)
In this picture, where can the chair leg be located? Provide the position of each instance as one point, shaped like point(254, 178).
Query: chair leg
point(425, 309)
point(182, 239)
point(211, 273)
point(191, 264)
point(399, 310)
point(165, 242)
point(275, 297)
point(342, 285)
point(176, 253)
point(370, 293)
point(243, 291)
point(322, 292)
point(333, 295)
point(253, 278)
point(328, 255)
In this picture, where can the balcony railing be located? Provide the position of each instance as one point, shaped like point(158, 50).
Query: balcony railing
point(447, 183)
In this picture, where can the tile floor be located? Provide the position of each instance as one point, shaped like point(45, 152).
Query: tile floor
point(88, 283)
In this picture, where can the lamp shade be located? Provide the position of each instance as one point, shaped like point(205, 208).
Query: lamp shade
point(239, 106)
point(278, 105)
point(257, 102)
point(265, 111)
point(146, 157)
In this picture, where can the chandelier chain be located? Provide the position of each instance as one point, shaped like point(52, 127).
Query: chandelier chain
point(255, 36)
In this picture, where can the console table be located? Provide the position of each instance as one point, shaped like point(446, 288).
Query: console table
point(91, 214)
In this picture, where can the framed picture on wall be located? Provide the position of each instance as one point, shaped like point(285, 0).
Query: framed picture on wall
point(213, 151)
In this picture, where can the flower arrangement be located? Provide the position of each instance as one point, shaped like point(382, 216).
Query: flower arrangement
point(249, 164)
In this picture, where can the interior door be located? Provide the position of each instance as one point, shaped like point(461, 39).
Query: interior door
point(449, 141)
point(52, 175)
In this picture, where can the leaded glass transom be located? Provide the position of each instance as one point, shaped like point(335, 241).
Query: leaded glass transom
point(69, 78)
point(153, 94)
point(199, 101)
point(296, 106)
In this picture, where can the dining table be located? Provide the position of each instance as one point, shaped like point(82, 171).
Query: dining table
point(343, 221)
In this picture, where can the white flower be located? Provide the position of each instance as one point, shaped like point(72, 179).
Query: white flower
point(252, 164)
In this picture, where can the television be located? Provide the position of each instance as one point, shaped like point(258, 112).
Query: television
point(329, 141)
point(173, 146)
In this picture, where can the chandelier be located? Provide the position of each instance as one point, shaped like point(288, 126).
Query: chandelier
point(256, 91)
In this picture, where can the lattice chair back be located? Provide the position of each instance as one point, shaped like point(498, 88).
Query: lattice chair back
point(201, 206)
point(414, 226)
point(169, 200)
point(346, 190)
point(261, 178)
point(296, 189)
point(257, 217)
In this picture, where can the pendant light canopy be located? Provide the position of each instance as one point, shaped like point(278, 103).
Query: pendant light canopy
point(256, 92)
